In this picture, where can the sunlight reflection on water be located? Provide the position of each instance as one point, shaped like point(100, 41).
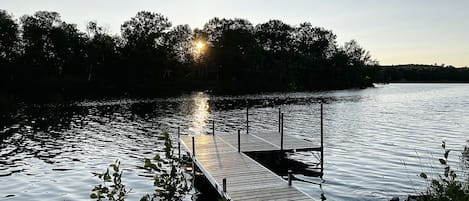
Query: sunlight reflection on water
point(200, 113)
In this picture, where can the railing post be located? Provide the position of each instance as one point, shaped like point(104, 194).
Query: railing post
point(290, 177)
point(179, 142)
point(322, 142)
point(281, 133)
point(239, 141)
point(224, 185)
point(213, 127)
point(193, 146)
point(279, 119)
point(247, 117)
point(193, 160)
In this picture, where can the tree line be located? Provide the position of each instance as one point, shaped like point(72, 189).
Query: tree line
point(42, 53)
point(419, 73)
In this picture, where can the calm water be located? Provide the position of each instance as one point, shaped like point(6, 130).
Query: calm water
point(376, 140)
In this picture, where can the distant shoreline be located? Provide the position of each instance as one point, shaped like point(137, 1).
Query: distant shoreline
point(428, 82)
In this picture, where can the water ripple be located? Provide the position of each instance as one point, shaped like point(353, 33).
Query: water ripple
point(377, 140)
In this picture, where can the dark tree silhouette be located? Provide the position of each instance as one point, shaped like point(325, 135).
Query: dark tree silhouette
point(54, 51)
point(102, 59)
point(9, 47)
point(45, 54)
point(144, 47)
point(178, 43)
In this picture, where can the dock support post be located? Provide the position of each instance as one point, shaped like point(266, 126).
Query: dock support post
point(281, 133)
point(179, 142)
point(290, 177)
point(224, 185)
point(213, 127)
point(322, 142)
point(279, 119)
point(239, 141)
point(193, 146)
point(247, 117)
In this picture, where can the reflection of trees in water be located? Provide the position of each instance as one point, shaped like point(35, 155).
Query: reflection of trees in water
point(39, 131)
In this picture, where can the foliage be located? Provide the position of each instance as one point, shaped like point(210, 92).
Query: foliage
point(44, 53)
point(169, 178)
point(9, 36)
point(420, 73)
point(114, 192)
point(447, 187)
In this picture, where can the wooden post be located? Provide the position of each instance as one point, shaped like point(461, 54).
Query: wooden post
point(290, 177)
point(193, 147)
point(179, 142)
point(247, 117)
point(279, 120)
point(322, 142)
point(224, 185)
point(213, 127)
point(281, 133)
point(239, 141)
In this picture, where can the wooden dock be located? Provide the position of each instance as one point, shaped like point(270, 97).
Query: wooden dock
point(235, 175)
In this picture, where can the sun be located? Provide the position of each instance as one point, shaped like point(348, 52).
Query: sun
point(199, 45)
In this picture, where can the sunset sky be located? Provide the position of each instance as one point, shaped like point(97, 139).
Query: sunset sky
point(395, 32)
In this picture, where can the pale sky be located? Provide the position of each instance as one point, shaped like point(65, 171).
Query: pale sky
point(395, 32)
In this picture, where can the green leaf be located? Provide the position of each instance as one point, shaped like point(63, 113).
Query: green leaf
point(145, 198)
point(442, 161)
point(147, 163)
point(157, 157)
point(423, 175)
point(93, 196)
point(447, 153)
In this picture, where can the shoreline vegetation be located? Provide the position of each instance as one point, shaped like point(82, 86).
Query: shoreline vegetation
point(41, 55)
point(43, 59)
point(419, 73)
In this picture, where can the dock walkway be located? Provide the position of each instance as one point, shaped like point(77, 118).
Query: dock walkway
point(223, 162)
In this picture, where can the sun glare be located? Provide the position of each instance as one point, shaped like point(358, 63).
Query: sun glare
point(199, 48)
point(199, 45)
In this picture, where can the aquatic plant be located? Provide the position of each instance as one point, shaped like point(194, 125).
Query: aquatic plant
point(447, 186)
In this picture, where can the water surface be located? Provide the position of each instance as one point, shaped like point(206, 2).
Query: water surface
point(377, 140)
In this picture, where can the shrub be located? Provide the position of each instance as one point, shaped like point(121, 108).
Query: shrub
point(448, 186)
point(169, 178)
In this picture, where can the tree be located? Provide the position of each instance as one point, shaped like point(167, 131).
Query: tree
point(102, 56)
point(144, 48)
point(145, 30)
point(51, 45)
point(274, 36)
point(314, 42)
point(275, 39)
point(235, 49)
point(178, 42)
point(313, 48)
point(9, 37)
point(9, 46)
point(356, 54)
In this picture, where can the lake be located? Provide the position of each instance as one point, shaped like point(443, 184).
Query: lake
point(377, 140)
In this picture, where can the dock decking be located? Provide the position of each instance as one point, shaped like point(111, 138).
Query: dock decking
point(218, 157)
